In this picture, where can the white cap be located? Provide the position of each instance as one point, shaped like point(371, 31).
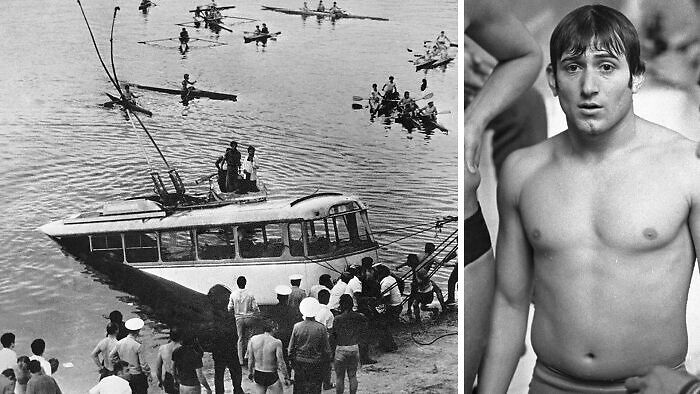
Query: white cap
point(134, 324)
point(283, 290)
point(309, 307)
point(296, 277)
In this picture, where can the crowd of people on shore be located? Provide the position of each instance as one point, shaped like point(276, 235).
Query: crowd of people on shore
point(26, 374)
point(299, 341)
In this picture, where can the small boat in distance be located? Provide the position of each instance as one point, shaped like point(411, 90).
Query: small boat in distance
point(193, 93)
point(250, 37)
point(329, 14)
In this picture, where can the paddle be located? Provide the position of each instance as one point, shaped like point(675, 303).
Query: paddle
point(354, 106)
point(203, 178)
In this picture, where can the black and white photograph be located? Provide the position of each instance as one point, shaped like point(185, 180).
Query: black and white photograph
point(233, 197)
point(582, 197)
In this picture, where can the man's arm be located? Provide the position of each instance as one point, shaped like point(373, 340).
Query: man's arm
point(159, 368)
point(251, 358)
point(281, 365)
point(94, 355)
point(519, 57)
point(511, 299)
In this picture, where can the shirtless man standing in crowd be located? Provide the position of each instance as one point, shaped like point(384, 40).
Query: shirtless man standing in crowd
point(266, 361)
point(597, 226)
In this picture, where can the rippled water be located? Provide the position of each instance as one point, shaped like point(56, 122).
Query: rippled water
point(61, 153)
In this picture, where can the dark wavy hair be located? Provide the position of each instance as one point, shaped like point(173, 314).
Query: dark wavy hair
point(606, 28)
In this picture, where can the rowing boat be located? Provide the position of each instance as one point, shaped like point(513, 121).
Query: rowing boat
point(442, 62)
point(429, 124)
point(130, 105)
point(194, 93)
point(424, 63)
point(335, 15)
point(205, 8)
point(260, 37)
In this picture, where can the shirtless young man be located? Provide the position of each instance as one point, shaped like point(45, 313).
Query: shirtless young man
point(597, 226)
point(266, 362)
point(495, 29)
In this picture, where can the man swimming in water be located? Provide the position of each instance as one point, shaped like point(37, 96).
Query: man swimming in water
point(598, 226)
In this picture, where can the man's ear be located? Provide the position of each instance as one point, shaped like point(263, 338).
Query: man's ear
point(637, 82)
point(551, 80)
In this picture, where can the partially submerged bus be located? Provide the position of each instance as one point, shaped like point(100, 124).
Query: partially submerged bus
point(199, 248)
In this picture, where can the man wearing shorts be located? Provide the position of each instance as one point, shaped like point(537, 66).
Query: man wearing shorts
point(348, 326)
point(599, 226)
point(266, 361)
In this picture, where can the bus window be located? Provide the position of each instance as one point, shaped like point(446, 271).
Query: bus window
point(176, 246)
point(106, 242)
point(296, 239)
point(215, 243)
point(317, 232)
point(107, 247)
point(141, 247)
point(260, 240)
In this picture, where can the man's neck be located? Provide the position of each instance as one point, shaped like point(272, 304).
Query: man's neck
point(619, 137)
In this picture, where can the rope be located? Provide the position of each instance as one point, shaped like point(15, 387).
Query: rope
point(138, 136)
point(413, 336)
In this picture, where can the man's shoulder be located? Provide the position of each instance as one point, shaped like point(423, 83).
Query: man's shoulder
point(524, 162)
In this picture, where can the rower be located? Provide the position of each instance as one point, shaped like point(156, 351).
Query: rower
point(430, 111)
point(321, 7)
point(264, 29)
point(198, 12)
point(184, 38)
point(390, 90)
point(442, 39)
point(335, 9)
point(186, 88)
point(305, 7)
point(407, 105)
point(128, 95)
point(374, 99)
point(257, 30)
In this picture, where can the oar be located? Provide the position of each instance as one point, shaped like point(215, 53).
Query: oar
point(358, 106)
point(444, 112)
point(358, 98)
point(203, 178)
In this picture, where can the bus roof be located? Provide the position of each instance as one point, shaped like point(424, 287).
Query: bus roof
point(145, 215)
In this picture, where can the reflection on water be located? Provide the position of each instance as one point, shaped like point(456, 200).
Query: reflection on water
point(62, 153)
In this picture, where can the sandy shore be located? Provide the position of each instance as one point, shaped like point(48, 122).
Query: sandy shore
point(413, 368)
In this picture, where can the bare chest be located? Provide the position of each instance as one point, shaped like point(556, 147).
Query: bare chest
point(621, 211)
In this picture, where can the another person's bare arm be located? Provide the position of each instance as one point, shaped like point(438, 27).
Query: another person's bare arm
point(661, 380)
point(281, 365)
point(251, 360)
point(159, 368)
point(95, 357)
point(519, 57)
point(479, 280)
point(514, 273)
